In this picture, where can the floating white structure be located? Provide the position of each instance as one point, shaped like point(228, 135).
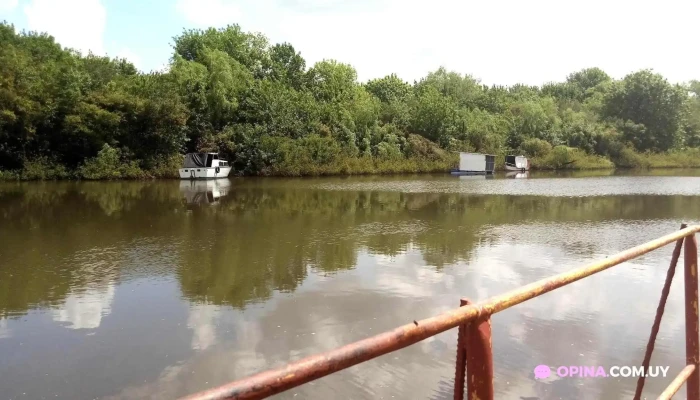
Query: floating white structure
point(475, 164)
point(198, 192)
point(204, 166)
point(517, 163)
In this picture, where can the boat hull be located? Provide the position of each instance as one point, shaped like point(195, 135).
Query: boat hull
point(459, 172)
point(514, 168)
point(204, 173)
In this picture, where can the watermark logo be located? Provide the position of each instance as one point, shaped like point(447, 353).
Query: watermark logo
point(578, 371)
point(542, 372)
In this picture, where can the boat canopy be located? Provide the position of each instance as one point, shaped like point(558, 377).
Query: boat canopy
point(194, 160)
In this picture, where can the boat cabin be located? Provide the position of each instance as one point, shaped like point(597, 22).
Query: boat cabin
point(475, 163)
point(204, 166)
point(517, 163)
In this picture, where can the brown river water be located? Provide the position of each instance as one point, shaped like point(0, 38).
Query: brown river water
point(130, 290)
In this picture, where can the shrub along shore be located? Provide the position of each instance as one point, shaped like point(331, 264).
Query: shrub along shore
point(102, 168)
point(66, 115)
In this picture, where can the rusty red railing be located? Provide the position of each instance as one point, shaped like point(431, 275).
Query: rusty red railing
point(474, 352)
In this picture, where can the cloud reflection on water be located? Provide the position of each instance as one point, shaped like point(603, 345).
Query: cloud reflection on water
point(4, 329)
point(85, 310)
point(575, 326)
point(202, 320)
point(210, 294)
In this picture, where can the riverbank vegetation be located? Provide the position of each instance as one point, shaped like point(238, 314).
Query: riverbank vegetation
point(67, 115)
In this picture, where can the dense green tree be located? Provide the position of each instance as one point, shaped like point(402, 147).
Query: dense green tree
point(100, 71)
point(332, 82)
point(286, 65)
point(647, 99)
point(536, 118)
point(227, 80)
point(395, 96)
point(578, 86)
point(588, 78)
point(279, 109)
point(66, 114)
point(562, 91)
point(692, 119)
point(483, 131)
point(434, 115)
point(192, 82)
point(494, 99)
point(389, 89)
point(246, 48)
point(462, 89)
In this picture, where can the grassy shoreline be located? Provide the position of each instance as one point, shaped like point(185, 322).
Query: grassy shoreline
point(574, 160)
point(342, 167)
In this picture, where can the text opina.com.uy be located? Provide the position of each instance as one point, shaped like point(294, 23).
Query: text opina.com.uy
point(578, 371)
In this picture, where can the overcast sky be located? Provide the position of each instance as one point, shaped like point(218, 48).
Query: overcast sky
point(497, 41)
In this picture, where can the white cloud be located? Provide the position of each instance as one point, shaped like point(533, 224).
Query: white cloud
point(132, 57)
point(505, 42)
point(8, 5)
point(78, 24)
point(209, 12)
point(163, 68)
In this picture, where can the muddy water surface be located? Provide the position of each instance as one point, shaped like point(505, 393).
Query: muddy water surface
point(128, 290)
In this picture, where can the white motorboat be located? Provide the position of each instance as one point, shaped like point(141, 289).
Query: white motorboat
point(204, 166)
point(517, 163)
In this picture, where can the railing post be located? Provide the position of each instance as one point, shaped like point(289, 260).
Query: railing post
point(692, 320)
point(474, 345)
point(659, 314)
point(461, 367)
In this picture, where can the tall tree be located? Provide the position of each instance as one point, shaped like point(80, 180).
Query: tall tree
point(388, 89)
point(647, 99)
point(463, 89)
point(286, 65)
point(588, 78)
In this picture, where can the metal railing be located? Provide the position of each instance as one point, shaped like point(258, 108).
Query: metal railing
point(474, 353)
